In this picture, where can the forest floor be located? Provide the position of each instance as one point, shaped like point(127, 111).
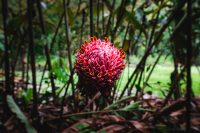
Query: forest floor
point(149, 114)
point(124, 116)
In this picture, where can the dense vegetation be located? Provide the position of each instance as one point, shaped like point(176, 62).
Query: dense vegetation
point(158, 91)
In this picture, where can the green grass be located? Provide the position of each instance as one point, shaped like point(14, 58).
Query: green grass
point(160, 79)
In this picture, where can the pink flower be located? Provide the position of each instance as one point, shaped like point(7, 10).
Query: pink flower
point(99, 64)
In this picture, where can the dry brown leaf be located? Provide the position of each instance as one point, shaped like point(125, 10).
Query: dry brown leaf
point(140, 126)
point(195, 121)
point(99, 120)
point(112, 129)
point(177, 113)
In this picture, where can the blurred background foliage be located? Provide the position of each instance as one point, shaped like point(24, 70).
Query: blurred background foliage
point(134, 25)
point(36, 64)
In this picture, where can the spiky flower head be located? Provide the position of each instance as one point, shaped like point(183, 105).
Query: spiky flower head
point(99, 64)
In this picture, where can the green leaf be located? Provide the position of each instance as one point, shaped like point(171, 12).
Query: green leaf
point(115, 104)
point(82, 126)
point(27, 95)
point(58, 71)
point(138, 87)
point(102, 131)
point(149, 92)
point(16, 110)
point(132, 106)
point(1, 41)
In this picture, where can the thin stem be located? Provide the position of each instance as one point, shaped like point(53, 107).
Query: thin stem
point(108, 27)
point(51, 47)
point(120, 15)
point(154, 27)
point(32, 56)
point(68, 47)
point(51, 73)
point(6, 45)
point(79, 5)
point(65, 93)
point(46, 51)
point(82, 24)
point(151, 71)
point(100, 112)
point(102, 8)
point(155, 42)
point(188, 66)
point(91, 17)
point(98, 9)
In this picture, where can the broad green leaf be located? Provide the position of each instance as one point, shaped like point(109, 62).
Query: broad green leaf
point(16, 110)
point(58, 71)
point(28, 94)
point(82, 126)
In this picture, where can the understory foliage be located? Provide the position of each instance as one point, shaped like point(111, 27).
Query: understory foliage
point(56, 76)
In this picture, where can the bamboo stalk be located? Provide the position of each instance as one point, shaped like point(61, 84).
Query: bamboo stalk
point(91, 17)
point(47, 53)
point(32, 56)
point(188, 66)
point(69, 47)
point(98, 9)
point(102, 8)
point(148, 51)
point(108, 27)
point(51, 47)
point(7, 47)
